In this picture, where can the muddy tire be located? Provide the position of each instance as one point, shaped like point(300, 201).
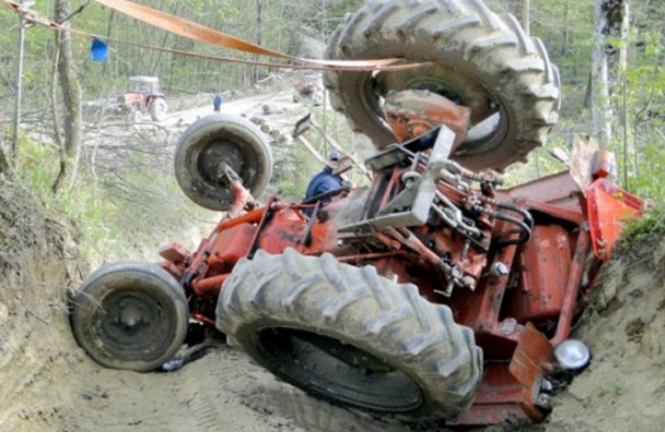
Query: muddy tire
point(130, 316)
point(158, 109)
point(348, 335)
point(221, 138)
point(481, 60)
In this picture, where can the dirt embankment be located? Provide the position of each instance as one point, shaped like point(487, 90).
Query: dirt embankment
point(624, 387)
point(37, 264)
point(48, 383)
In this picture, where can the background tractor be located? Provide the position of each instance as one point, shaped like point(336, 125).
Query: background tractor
point(144, 95)
point(432, 293)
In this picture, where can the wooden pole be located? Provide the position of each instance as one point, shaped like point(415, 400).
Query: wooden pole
point(331, 141)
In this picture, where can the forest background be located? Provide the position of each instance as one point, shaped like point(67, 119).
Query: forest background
point(108, 201)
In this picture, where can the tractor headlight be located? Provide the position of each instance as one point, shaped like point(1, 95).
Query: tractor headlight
point(572, 355)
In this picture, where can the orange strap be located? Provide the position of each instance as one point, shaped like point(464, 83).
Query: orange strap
point(220, 39)
point(201, 33)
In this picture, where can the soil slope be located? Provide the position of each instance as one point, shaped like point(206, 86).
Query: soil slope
point(623, 389)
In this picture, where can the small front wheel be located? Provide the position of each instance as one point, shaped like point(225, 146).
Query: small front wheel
point(130, 316)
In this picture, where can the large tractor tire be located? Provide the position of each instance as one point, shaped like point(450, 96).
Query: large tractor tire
point(217, 139)
point(130, 316)
point(479, 59)
point(158, 109)
point(350, 336)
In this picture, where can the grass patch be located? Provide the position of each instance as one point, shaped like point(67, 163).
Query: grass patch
point(638, 230)
point(118, 215)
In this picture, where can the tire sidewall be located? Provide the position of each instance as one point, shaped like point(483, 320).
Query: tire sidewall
point(194, 141)
point(377, 129)
point(152, 282)
point(249, 332)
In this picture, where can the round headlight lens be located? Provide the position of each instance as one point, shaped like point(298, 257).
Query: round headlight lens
point(572, 354)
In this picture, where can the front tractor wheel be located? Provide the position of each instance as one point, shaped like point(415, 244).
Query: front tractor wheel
point(130, 316)
point(215, 141)
point(348, 335)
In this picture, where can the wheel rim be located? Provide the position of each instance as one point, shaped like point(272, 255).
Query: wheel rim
point(132, 324)
point(215, 155)
point(208, 157)
point(334, 370)
point(488, 120)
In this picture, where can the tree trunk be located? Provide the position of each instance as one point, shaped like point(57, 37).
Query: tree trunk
point(71, 94)
point(257, 39)
point(526, 12)
point(19, 94)
point(155, 65)
point(628, 148)
point(566, 30)
point(600, 95)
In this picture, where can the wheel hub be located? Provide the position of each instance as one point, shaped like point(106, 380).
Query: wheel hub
point(131, 318)
point(215, 155)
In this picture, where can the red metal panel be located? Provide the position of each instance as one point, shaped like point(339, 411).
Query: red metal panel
point(610, 207)
point(545, 268)
point(174, 253)
point(499, 397)
point(231, 245)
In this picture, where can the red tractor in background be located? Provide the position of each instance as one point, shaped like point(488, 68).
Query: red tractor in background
point(144, 95)
point(430, 294)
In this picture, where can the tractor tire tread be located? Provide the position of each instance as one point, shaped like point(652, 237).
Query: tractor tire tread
point(468, 35)
point(391, 319)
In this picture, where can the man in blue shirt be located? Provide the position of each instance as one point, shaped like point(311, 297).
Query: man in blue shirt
point(325, 181)
point(217, 103)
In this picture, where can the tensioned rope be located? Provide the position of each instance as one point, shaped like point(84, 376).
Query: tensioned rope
point(211, 36)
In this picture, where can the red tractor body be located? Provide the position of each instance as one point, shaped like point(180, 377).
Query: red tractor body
point(144, 95)
point(432, 293)
point(511, 264)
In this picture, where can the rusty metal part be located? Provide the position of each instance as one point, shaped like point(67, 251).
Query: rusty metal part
point(411, 113)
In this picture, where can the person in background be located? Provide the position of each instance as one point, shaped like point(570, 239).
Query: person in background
point(325, 181)
point(217, 103)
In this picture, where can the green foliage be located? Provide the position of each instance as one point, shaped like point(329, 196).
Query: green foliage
point(113, 218)
point(281, 24)
point(652, 223)
point(610, 389)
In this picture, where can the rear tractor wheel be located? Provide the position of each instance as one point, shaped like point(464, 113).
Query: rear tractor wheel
point(130, 316)
point(348, 335)
point(158, 109)
point(480, 60)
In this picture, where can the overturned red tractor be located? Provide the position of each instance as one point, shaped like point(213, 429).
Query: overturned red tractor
point(432, 293)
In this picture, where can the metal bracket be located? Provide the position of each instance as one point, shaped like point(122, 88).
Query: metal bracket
point(412, 206)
